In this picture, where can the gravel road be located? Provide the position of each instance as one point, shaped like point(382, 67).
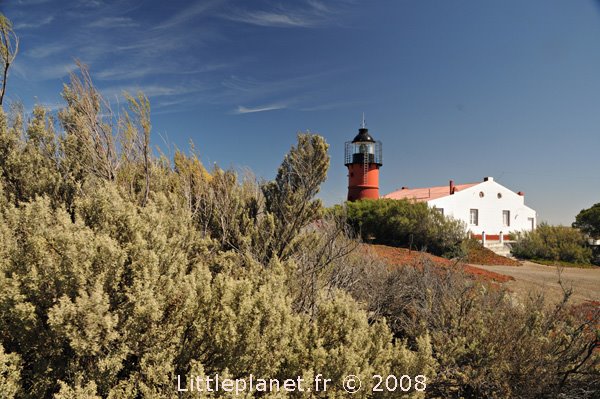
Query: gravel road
point(533, 278)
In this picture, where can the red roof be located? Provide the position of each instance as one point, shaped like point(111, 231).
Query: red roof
point(427, 193)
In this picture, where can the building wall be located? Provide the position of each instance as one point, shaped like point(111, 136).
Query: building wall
point(490, 207)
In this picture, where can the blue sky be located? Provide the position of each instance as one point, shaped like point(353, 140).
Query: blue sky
point(453, 89)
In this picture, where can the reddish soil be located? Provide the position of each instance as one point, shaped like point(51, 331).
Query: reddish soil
point(482, 256)
point(487, 275)
point(402, 256)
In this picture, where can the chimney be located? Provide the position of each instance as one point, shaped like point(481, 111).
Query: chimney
point(452, 188)
point(488, 178)
point(521, 193)
point(404, 188)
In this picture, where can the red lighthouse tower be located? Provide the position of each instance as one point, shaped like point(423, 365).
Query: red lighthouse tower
point(363, 157)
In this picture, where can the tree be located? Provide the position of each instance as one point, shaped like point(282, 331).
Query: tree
point(290, 197)
point(588, 221)
point(89, 139)
point(140, 135)
point(9, 47)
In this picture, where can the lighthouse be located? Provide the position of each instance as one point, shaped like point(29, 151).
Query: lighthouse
point(363, 158)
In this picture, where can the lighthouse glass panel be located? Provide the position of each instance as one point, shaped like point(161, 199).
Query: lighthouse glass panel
point(364, 148)
point(361, 151)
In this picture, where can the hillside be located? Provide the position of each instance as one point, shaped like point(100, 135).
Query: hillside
point(402, 256)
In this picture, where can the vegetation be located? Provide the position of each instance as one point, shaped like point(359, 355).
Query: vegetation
point(487, 343)
point(554, 243)
point(404, 223)
point(9, 47)
point(588, 221)
point(121, 269)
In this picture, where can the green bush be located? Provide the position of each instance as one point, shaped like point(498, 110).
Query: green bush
point(588, 221)
point(555, 243)
point(406, 224)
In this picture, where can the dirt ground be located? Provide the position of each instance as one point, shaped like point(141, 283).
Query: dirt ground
point(402, 256)
point(533, 278)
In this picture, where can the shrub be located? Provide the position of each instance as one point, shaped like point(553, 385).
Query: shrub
point(9, 374)
point(120, 271)
point(487, 342)
point(404, 223)
point(555, 243)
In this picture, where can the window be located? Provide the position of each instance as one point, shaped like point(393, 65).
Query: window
point(481, 194)
point(499, 195)
point(532, 223)
point(506, 218)
point(440, 210)
point(364, 148)
point(474, 219)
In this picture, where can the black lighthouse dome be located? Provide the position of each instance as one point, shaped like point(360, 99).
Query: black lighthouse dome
point(363, 136)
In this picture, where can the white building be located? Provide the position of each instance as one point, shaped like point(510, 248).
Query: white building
point(485, 207)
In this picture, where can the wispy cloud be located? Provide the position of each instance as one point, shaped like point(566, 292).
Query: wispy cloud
point(152, 44)
point(248, 110)
point(327, 106)
point(18, 69)
point(170, 102)
point(31, 2)
point(264, 18)
point(35, 24)
point(307, 92)
point(176, 57)
point(245, 85)
point(46, 50)
point(312, 13)
point(114, 22)
point(317, 5)
point(191, 12)
point(125, 72)
point(253, 90)
point(55, 71)
point(44, 72)
point(149, 90)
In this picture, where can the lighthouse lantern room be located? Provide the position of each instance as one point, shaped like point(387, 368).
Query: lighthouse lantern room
point(363, 158)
